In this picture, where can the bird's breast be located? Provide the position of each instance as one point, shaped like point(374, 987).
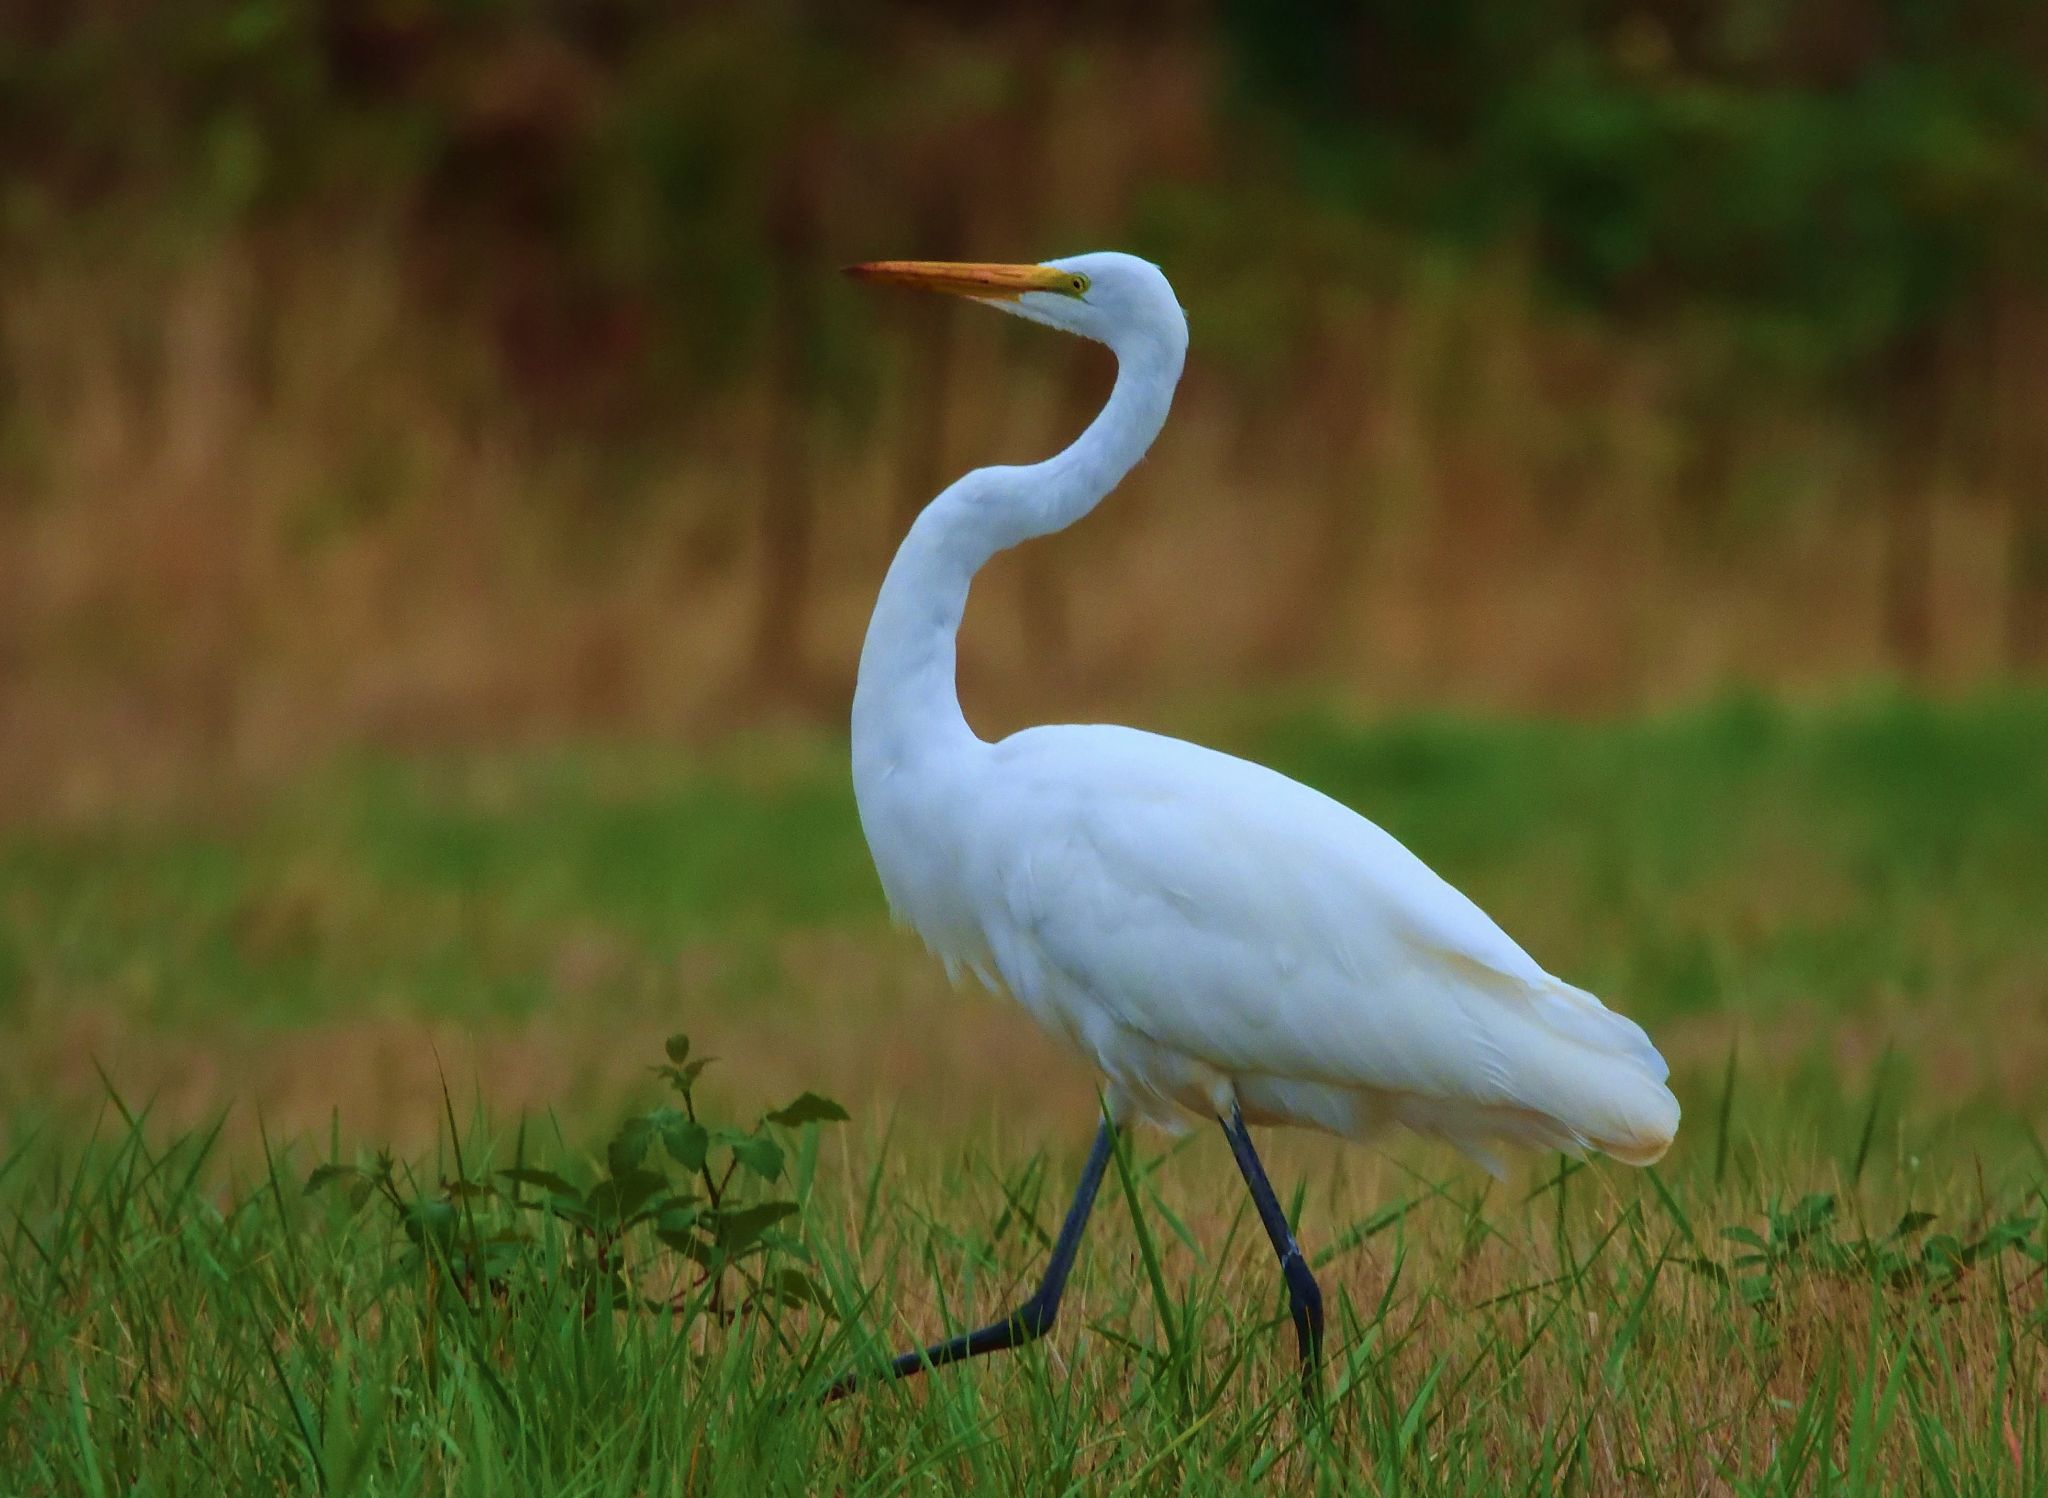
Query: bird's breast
point(920, 853)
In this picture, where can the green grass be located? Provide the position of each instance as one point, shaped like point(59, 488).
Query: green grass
point(1831, 919)
point(1796, 857)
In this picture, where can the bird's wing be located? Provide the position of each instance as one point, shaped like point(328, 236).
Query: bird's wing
point(1245, 920)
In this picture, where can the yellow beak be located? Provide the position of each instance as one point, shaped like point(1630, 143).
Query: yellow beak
point(1002, 283)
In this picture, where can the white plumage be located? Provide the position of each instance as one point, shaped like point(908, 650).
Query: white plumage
point(1204, 930)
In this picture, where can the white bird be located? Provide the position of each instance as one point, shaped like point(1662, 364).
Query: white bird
point(1219, 940)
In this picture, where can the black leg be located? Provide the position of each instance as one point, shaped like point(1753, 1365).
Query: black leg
point(1029, 1321)
point(1304, 1298)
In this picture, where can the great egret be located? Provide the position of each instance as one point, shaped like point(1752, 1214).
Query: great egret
point(1218, 939)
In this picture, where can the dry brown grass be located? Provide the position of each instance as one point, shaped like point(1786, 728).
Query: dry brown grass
point(257, 502)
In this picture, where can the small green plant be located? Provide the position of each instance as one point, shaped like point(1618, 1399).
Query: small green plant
point(682, 1202)
point(1802, 1240)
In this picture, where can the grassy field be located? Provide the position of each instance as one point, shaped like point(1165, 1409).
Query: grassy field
point(1831, 919)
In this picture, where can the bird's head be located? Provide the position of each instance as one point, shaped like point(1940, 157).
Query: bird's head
point(1112, 298)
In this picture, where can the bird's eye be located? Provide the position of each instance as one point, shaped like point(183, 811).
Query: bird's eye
point(1079, 285)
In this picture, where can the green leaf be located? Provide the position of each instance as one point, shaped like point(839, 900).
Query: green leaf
point(325, 1175)
point(1912, 1223)
point(360, 1183)
point(1812, 1213)
point(501, 1254)
point(678, 1049)
point(426, 1222)
point(783, 1243)
point(629, 1146)
point(690, 1245)
point(684, 1140)
point(739, 1229)
point(2008, 1234)
point(547, 1180)
point(793, 1287)
point(617, 1199)
point(1942, 1248)
point(1708, 1268)
point(675, 1219)
point(760, 1155)
point(683, 1078)
point(809, 1108)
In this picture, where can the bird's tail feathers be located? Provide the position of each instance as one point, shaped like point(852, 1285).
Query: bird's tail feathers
point(1595, 1075)
point(1580, 1017)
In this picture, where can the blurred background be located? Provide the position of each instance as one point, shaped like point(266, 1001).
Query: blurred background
point(421, 374)
point(444, 477)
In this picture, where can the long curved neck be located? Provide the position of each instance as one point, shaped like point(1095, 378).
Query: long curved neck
point(906, 701)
